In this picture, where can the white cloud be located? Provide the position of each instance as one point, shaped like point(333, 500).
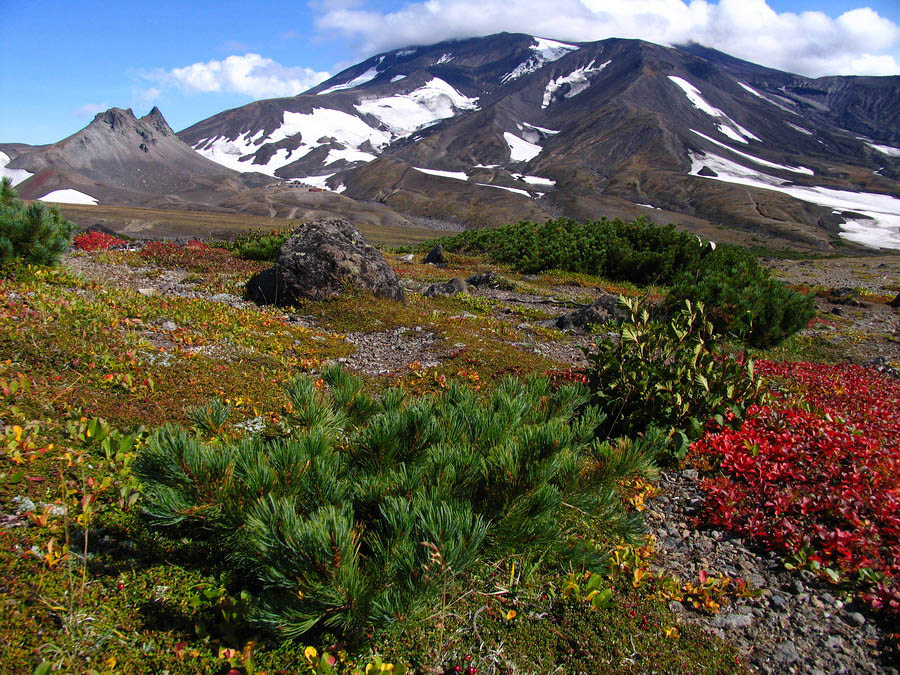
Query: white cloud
point(250, 74)
point(90, 109)
point(858, 42)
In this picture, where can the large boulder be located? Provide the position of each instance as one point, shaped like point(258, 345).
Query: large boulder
point(324, 258)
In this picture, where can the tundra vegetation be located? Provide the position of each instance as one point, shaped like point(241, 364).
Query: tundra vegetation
point(192, 484)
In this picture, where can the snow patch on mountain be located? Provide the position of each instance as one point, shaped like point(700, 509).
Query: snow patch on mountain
point(348, 154)
point(445, 58)
point(69, 196)
point(766, 98)
point(756, 160)
point(800, 129)
point(576, 81)
point(508, 189)
point(316, 181)
point(456, 175)
point(885, 149)
point(367, 76)
point(534, 180)
point(15, 175)
point(545, 51)
point(728, 126)
point(322, 123)
point(520, 150)
point(880, 229)
point(404, 113)
point(397, 78)
point(549, 132)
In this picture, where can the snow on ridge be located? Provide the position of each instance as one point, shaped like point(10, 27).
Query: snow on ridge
point(549, 132)
point(316, 181)
point(885, 149)
point(762, 162)
point(503, 187)
point(767, 99)
point(800, 129)
point(445, 58)
point(397, 78)
point(577, 81)
point(534, 180)
point(405, 113)
point(728, 127)
point(15, 175)
point(367, 76)
point(545, 51)
point(69, 196)
point(456, 175)
point(348, 154)
point(520, 150)
point(347, 130)
point(881, 228)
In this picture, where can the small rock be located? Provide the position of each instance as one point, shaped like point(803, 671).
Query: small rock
point(786, 653)
point(690, 474)
point(834, 642)
point(756, 580)
point(408, 258)
point(676, 607)
point(169, 325)
point(733, 621)
point(855, 619)
point(23, 505)
point(148, 292)
point(778, 601)
point(452, 287)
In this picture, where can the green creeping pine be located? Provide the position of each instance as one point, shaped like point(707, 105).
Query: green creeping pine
point(35, 234)
point(358, 509)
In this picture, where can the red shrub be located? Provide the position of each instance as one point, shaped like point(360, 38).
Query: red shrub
point(195, 256)
point(821, 478)
point(96, 241)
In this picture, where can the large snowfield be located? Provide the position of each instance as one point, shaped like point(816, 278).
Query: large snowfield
point(879, 228)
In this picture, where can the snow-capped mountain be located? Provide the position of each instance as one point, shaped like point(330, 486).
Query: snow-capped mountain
point(478, 130)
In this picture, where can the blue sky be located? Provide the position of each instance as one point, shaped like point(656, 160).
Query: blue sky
point(67, 60)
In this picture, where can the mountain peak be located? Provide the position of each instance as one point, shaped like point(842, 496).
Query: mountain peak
point(156, 120)
point(115, 117)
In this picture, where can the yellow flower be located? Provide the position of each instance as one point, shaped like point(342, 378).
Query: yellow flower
point(310, 653)
point(671, 632)
point(510, 615)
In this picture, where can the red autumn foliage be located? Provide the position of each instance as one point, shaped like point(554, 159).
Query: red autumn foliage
point(823, 477)
point(195, 256)
point(96, 241)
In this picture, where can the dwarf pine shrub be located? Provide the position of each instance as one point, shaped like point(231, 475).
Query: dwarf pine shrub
point(741, 295)
point(364, 507)
point(34, 234)
point(671, 374)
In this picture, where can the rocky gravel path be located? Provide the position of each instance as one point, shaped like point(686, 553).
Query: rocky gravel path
point(796, 625)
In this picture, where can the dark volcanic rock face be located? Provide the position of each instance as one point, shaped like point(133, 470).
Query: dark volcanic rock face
point(514, 126)
point(323, 258)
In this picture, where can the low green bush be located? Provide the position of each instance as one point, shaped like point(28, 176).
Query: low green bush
point(743, 298)
point(35, 234)
point(673, 375)
point(359, 509)
point(257, 245)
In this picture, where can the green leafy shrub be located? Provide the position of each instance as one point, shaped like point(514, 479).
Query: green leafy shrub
point(35, 234)
point(672, 375)
point(741, 295)
point(363, 508)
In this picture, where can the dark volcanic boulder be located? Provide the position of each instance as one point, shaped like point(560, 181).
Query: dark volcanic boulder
point(436, 256)
point(488, 280)
point(321, 259)
point(603, 309)
point(452, 287)
point(262, 288)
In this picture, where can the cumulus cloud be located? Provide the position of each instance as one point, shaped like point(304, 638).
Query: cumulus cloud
point(858, 42)
point(251, 74)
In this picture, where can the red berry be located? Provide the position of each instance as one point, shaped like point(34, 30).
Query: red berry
point(471, 670)
point(468, 658)
point(120, 586)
